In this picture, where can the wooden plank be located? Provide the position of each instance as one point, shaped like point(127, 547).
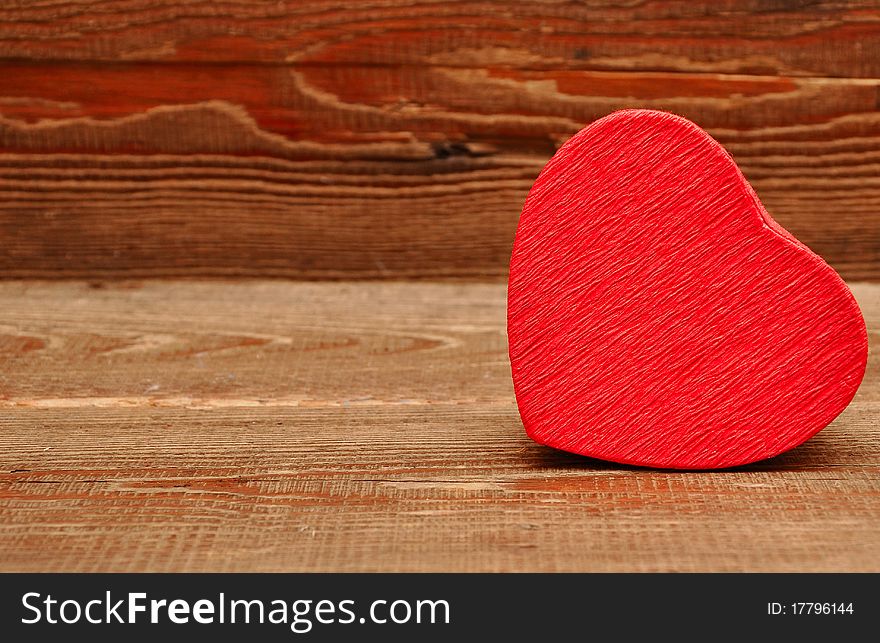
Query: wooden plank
point(219, 344)
point(357, 171)
point(415, 459)
point(449, 488)
point(824, 38)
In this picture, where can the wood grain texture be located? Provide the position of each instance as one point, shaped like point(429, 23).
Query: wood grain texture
point(817, 38)
point(657, 315)
point(205, 426)
point(396, 140)
point(152, 176)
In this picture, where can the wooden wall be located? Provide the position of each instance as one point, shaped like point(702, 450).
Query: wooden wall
point(398, 139)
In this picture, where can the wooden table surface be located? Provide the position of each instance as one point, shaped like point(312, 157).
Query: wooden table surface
point(283, 426)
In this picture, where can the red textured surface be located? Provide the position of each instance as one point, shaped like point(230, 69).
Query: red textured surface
point(658, 316)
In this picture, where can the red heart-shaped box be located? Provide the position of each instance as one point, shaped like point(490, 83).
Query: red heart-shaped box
point(658, 316)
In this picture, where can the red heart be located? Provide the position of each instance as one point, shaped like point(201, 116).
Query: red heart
point(658, 316)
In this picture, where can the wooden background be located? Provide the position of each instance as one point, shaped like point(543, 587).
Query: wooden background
point(398, 139)
point(228, 421)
